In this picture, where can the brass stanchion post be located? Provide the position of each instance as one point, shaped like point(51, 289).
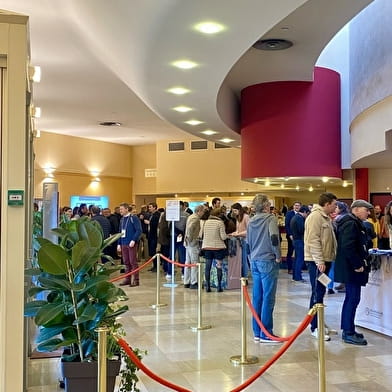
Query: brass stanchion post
point(102, 343)
point(243, 359)
point(158, 288)
point(321, 346)
point(199, 304)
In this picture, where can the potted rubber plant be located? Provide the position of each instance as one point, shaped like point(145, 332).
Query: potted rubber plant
point(79, 299)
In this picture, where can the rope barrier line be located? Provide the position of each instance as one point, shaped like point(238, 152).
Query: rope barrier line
point(256, 317)
point(128, 350)
point(278, 354)
point(178, 264)
point(132, 272)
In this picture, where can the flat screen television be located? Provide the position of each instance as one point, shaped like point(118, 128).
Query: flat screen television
point(99, 201)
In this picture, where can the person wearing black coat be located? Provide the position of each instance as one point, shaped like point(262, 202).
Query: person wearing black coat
point(351, 266)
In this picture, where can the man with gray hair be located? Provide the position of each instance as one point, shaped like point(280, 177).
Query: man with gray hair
point(264, 247)
point(191, 242)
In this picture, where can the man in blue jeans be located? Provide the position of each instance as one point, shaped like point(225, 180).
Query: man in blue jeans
point(320, 249)
point(264, 247)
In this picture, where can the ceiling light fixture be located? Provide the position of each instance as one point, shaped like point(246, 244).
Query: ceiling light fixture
point(226, 140)
point(345, 184)
point(297, 188)
point(267, 183)
point(193, 122)
point(209, 27)
point(311, 189)
point(209, 132)
point(184, 64)
point(35, 112)
point(178, 90)
point(282, 186)
point(272, 44)
point(182, 109)
point(325, 179)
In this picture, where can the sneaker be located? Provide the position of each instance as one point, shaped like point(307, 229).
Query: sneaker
point(194, 286)
point(168, 277)
point(315, 335)
point(266, 339)
point(354, 339)
point(186, 286)
point(256, 339)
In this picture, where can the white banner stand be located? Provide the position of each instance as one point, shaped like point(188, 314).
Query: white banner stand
point(172, 215)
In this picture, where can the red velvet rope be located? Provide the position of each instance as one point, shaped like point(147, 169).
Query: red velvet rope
point(278, 354)
point(178, 264)
point(255, 315)
point(132, 272)
point(147, 371)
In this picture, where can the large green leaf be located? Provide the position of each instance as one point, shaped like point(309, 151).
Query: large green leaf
point(32, 308)
point(50, 345)
point(91, 233)
point(53, 259)
point(43, 241)
point(79, 253)
point(94, 281)
point(89, 313)
point(51, 283)
point(110, 240)
point(48, 333)
point(32, 271)
point(33, 291)
point(48, 312)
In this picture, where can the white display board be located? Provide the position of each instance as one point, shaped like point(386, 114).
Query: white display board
point(172, 210)
point(375, 311)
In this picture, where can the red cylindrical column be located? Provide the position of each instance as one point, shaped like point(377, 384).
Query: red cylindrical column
point(362, 184)
point(292, 128)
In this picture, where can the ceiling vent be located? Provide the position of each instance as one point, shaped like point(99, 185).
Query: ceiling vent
point(199, 145)
point(272, 44)
point(110, 124)
point(176, 146)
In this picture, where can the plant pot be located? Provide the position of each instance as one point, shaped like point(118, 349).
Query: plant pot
point(83, 376)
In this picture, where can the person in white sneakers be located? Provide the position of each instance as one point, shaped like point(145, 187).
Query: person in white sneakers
point(320, 249)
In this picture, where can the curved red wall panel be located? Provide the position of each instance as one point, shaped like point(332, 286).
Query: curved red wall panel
point(292, 129)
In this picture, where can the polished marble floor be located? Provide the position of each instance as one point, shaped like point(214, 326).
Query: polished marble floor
point(200, 361)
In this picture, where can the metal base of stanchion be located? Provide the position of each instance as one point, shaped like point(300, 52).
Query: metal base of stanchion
point(170, 285)
point(248, 360)
point(194, 329)
point(156, 306)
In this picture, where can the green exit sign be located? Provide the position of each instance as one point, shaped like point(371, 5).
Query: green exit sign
point(15, 197)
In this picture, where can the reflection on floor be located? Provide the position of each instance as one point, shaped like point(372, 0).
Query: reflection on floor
point(200, 361)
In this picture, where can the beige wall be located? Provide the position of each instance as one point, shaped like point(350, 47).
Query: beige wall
point(74, 158)
point(380, 180)
point(200, 171)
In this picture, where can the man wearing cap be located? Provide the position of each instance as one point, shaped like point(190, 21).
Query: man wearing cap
point(351, 266)
point(320, 249)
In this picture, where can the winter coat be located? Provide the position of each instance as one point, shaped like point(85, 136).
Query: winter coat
point(352, 252)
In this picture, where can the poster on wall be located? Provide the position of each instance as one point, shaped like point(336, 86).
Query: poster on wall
point(99, 201)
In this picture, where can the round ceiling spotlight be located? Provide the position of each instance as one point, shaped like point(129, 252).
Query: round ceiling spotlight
point(272, 44)
point(110, 124)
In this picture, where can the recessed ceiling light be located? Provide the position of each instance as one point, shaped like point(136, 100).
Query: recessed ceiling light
point(193, 122)
point(209, 27)
point(267, 183)
point(345, 184)
point(182, 109)
point(209, 132)
point(311, 189)
point(226, 140)
point(297, 188)
point(184, 64)
point(110, 124)
point(178, 90)
point(282, 186)
point(325, 179)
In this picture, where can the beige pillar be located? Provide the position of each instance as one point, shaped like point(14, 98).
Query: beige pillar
point(14, 166)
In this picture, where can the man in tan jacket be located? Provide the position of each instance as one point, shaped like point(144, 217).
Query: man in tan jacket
point(320, 249)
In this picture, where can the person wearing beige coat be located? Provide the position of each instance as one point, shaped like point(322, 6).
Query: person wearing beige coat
point(320, 248)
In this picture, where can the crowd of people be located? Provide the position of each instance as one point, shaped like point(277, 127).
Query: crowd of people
point(327, 238)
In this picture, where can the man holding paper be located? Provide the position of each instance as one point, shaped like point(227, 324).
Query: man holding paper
point(320, 250)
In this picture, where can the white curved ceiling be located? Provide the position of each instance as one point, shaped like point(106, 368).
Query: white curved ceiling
point(111, 61)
